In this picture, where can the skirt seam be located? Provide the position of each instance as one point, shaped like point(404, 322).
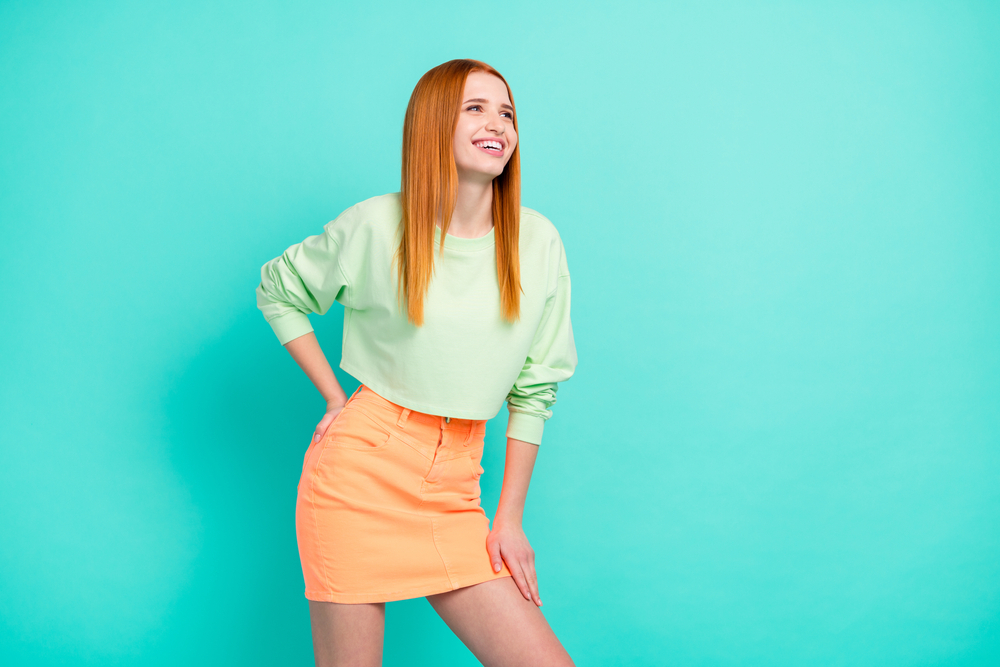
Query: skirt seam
point(312, 505)
point(444, 560)
point(419, 591)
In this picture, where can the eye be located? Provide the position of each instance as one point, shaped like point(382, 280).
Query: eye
point(476, 106)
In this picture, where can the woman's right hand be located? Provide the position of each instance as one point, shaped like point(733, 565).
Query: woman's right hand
point(331, 413)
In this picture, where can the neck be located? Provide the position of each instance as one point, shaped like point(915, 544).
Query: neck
point(473, 215)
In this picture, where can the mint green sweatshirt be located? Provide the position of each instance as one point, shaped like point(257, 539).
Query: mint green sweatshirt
point(465, 360)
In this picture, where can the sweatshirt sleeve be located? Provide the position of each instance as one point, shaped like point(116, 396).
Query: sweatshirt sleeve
point(307, 278)
point(551, 359)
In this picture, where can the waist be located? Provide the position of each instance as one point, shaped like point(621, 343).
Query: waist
point(418, 425)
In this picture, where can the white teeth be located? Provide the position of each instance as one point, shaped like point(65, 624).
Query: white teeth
point(490, 144)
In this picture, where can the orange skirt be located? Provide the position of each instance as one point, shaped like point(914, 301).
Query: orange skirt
point(388, 505)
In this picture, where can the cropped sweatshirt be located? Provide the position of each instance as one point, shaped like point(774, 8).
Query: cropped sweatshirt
point(465, 360)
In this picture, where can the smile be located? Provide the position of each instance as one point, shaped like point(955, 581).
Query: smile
point(490, 147)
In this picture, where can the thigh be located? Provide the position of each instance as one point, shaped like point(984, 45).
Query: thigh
point(499, 626)
point(347, 634)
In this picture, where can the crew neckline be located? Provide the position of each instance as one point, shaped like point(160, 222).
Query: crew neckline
point(464, 244)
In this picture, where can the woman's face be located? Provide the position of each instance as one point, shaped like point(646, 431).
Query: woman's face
point(486, 117)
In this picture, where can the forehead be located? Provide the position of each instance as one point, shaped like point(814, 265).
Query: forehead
point(486, 86)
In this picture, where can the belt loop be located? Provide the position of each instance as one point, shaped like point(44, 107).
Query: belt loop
point(403, 417)
point(355, 393)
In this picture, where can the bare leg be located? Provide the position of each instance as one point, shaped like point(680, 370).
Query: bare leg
point(347, 635)
point(499, 626)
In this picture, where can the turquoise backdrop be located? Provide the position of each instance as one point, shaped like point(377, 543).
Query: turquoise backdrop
point(782, 444)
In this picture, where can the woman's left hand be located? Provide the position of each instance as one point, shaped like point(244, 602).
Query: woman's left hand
point(509, 542)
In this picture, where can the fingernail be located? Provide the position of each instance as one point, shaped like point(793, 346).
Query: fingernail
point(496, 567)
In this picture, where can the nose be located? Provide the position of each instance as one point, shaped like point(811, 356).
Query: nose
point(495, 124)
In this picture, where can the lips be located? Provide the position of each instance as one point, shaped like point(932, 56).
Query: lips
point(492, 147)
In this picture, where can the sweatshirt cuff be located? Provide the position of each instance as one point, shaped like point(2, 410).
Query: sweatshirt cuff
point(290, 326)
point(522, 426)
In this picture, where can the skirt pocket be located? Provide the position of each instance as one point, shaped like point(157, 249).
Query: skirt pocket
point(355, 429)
point(477, 468)
point(315, 445)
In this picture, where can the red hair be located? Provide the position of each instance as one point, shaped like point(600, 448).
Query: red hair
point(429, 189)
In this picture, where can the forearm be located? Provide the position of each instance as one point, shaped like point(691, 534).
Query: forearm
point(520, 462)
point(310, 358)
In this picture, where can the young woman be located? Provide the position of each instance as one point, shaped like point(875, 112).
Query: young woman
point(456, 299)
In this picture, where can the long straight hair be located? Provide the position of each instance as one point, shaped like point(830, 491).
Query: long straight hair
point(429, 189)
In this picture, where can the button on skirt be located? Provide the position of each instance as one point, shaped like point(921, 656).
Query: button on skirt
point(388, 505)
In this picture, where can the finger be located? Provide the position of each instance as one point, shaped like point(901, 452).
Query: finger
point(532, 577)
point(519, 578)
point(526, 571)
point(494, 551)
point(324, 424)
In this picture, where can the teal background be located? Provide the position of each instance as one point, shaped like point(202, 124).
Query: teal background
point(783, 225)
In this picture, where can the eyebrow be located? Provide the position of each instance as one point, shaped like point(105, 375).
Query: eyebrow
point(479, 99)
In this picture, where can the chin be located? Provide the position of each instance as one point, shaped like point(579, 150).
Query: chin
point(491, 173)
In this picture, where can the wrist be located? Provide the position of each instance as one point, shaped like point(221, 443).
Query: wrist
point(507, 519)
point(336, 402)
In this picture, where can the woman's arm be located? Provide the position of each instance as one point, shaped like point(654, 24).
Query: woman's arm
point(309, 356)
point(307, 278)
point(551, 360)
point(507, 539)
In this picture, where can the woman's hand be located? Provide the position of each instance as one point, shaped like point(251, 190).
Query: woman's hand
point(331, 413)
point(508, 541)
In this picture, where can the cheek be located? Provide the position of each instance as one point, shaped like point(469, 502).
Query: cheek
point(466, 153)
point(461, 147)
